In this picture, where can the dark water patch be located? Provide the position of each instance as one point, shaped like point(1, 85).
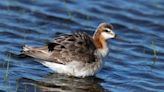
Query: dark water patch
point(16, 9)
point(53, 18)
point(61, 83)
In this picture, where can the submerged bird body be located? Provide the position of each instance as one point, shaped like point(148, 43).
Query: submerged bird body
point(77, 54)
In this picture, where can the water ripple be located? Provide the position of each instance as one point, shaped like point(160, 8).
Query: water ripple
point(135, 60)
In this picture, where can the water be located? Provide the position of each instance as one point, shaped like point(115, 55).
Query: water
point(134, 64)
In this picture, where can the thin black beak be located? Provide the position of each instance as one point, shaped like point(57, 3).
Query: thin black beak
point(115, 36)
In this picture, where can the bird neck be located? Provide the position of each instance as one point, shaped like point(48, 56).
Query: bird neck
point(101, 44)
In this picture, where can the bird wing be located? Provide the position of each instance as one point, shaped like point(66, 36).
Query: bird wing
point(78, 47)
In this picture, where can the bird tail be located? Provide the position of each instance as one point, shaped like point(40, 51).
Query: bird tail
point(39, 53)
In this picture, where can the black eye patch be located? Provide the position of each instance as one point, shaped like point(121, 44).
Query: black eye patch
point(106, 30)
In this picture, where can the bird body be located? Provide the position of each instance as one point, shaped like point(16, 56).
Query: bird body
point(77, 54)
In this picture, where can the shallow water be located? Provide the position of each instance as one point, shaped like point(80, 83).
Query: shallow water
point(134, 64)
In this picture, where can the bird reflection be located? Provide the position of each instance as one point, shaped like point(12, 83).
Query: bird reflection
point(60, 83)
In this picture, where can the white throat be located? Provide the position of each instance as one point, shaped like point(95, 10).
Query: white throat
point(103, 52)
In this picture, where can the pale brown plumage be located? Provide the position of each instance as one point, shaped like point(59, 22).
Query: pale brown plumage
point(80, 51)
point(66, 48)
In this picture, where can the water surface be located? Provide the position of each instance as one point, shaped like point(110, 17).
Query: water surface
point(134, 64)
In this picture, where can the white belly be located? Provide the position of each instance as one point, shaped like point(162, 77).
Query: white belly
point(75, 68)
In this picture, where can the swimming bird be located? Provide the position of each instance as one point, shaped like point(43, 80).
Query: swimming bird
point(77, 54)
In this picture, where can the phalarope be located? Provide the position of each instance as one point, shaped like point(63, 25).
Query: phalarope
point(77, 54)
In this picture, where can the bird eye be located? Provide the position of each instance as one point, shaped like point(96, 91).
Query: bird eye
point(106, 30)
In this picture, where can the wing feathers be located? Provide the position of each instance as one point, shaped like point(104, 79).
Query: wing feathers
point(66, 48)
